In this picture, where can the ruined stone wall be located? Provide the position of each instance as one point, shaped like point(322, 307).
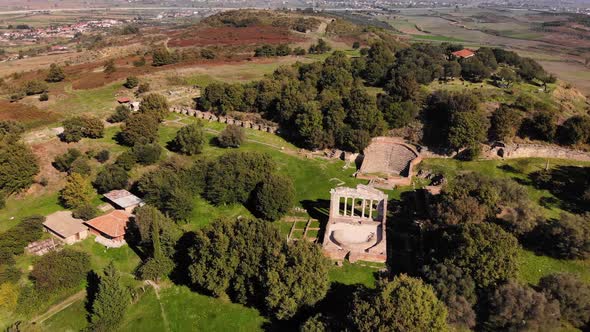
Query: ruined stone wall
point(510, 151)
point(225, 119)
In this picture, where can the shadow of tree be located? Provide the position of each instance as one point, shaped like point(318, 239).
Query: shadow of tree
point(569, 184)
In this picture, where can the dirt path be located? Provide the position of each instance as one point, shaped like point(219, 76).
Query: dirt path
point(59, 307)
point(162, 312)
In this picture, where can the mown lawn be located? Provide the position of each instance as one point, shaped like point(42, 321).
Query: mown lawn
point(16, 209)
point(350, 274)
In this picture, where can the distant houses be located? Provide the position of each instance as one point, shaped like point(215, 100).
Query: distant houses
point(464, 53)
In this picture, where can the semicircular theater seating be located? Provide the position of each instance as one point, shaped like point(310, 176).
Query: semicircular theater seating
point(356, 237)
point(387, 157)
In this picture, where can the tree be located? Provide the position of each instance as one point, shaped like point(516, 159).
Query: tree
point(452, 69)
point(122, 112)
point(85, 212)
point(505, 123)
point(64, 162)
point(231, 137)
point(456, 288)
point(82, 126)
point(147, 154)
point(474, 70)
point(575, 130)
point(507, 76)
point(18, 167)
point(320, 48)
point(487, 57)
point(156, 105)
point(35, 87)
point(8, 296)
point(139, 128)
point(568, 237)
point(59, 270)
point(309, 125)
point(544, 125)
point(273, 197)
point(486, 252)
point(404, 304)
point(572, 294)
point(131, 82)
point(56, 74)
point(81, 166)
point(77, 191)
point(403, 87)
point(109, 67)
point(108, 307)
point(110, 178)
point(467, 129)
point(161, 57)
point(233, 176)
point(189, 139)
point(513, 307)
point(278, 277)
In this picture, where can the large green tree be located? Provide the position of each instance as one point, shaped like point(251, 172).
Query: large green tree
point(572, 294)
point(190, 139)
point(139, 128)
point(77, 192)
point(273, 197)
point(18, 167)
point(56, 73)
point(156, 105)
point(110, 302)
point(249, 261)
point(486, 252)
point(110, 178)
point(404, 304)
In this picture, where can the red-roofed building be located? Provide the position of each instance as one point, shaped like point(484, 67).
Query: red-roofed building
point(111, 226)
point(123, 100)
point(464, 53)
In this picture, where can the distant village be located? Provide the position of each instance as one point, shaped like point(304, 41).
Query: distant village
point(62, 31)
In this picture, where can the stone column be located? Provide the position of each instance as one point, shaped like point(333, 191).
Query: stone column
point(345, 201)
point(352, 209)
point(371, 209)
point(363, 210)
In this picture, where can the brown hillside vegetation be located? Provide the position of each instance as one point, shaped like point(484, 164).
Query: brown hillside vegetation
point(222, 36)
point(28, 115)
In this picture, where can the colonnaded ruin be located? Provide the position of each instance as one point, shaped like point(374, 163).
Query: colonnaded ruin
point(388, 162)
point(356, 227)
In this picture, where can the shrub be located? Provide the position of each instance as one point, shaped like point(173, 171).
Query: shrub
point(207, 54)
point(102, 156)
point(189, 139)
point(64, 162)
point(231, 137)
point(56, 74)
point(35, 87)
point(80, 166)
point(121, 114)
point(143, 88)
point(131, 82)
point(44, 97)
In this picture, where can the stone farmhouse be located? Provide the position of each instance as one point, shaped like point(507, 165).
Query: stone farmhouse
point(65, 227)
point(356, 228)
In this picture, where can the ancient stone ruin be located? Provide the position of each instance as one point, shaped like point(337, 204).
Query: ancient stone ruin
point(356, 227)
point(225, 119)
point(388, 162)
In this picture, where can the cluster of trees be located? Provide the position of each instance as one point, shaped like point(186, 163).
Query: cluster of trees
point(79, 127)
point(18, 164)
point(277, 277)
point(236, 177)
point(318, 105)
point(161, 56)
point(278, 50)
point(55, 273)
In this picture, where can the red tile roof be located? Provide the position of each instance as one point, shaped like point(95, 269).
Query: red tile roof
point(123, 100)
point(112, 224)
point(465, 53)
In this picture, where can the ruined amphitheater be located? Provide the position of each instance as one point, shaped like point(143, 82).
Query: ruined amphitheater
point(388, 162)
